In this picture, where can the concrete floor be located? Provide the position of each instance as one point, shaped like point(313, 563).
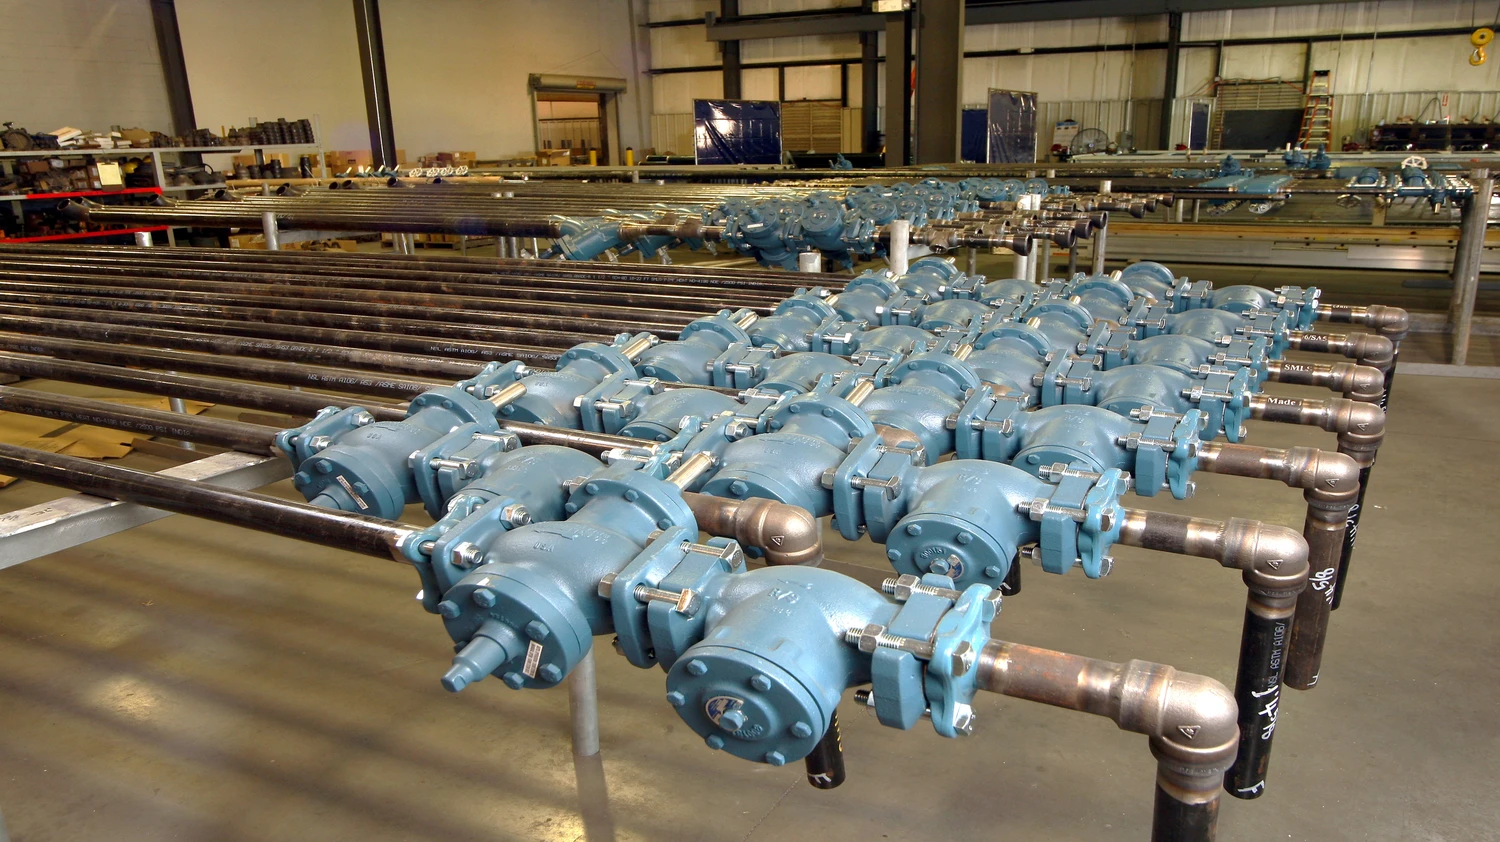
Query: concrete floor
point(193, 681)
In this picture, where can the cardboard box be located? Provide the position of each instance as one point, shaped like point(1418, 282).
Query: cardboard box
point(139, 138)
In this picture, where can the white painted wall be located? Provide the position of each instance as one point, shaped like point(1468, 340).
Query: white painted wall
point(1362, 70)
point(276, 58)
point(458, 68)
point(91, 64)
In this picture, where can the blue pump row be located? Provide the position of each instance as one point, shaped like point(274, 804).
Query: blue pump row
point(775, 230)
point(954, 421)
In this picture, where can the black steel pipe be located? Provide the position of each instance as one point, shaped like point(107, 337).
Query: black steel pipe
point(211, 390)
point(151, 271)
point(570, 325)
point(341, 530)
point(1274, 566)
point(244, 368)
point(357, 348)
point(304, 318)
point(233, 435)
point(825, 764)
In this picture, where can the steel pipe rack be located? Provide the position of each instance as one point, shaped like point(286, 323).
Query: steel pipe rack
point(1152, 699)
point(58, 322)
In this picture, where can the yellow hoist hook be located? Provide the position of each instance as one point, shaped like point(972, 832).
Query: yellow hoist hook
point(1480, 39)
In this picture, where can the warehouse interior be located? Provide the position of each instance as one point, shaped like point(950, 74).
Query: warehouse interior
point(748, 420)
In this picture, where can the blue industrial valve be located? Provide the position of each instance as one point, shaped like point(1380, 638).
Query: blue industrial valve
point(528, 611)
point(929, 277)
point(824, 226)
point(1102, 296)
point(552, 397)
point(686, 359)
point(923, 391)
point(805, 436)
point(515, 487)
point(788, 328)
point(798, 373)
point(640, 409)
point(1299, 303)
point(1158, 449)
point(1218, 325)
point(1010, 356)
point(346, 460)
point(967, 520)
point(774, 660)
point(953, 316)
point(864, 298)
point(761, 231)
point(586, 239)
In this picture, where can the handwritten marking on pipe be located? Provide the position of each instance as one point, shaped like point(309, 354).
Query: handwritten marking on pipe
point(1322, 581)
point(1269, 711)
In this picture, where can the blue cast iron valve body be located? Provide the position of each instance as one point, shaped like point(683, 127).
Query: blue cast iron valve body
point(530, 608)
point(586, 239)
point(1157, 449)
point(688, 359)
point(922, 392)
point(804, 437)
point(345, 460)
point(552, 396)
point(780, 646)
point(640, 409)
point(788, 328)
point(967, 520)
point(514, 487)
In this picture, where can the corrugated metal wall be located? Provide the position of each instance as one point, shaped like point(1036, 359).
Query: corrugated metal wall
point(1372, 80)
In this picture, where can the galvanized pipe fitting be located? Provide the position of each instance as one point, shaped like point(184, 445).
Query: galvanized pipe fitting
point(1360, 426)
point(1191, 720)
point(1331, 485)
point(1359, 382)
point(1364, 348)
point(1274, 561)
point(786, 534)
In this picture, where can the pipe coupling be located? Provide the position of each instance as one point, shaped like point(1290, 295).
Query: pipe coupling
point(1273, 558)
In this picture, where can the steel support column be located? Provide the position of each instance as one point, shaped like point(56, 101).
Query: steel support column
point(1174, 53)
point(940, 63)
point(174, 68)
point(897, 89)
point(869, 82)
point(731, 54)
point(377, 92)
